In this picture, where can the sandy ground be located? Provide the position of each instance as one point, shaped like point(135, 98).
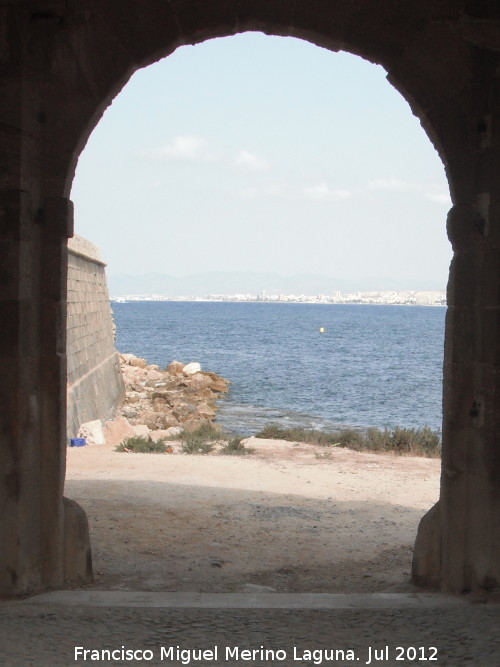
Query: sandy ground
point(281, 518)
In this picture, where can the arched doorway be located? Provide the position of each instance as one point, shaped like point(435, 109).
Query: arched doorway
point(75, 61)
point(163, 182)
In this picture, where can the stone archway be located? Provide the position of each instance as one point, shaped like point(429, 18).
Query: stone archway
point(62, 63)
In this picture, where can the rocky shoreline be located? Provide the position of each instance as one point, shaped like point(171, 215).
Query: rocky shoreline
point(181, 395)
point(158, 402)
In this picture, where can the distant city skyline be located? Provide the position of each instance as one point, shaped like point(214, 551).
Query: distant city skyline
point(400, 298)
point(264, 154)
point(247, 282)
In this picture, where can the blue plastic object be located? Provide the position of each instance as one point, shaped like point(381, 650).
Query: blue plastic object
point(78, 442)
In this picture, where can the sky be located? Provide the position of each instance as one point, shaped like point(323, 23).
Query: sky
point(265, 154)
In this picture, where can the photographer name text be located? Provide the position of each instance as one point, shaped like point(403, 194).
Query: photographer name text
point(318, 656)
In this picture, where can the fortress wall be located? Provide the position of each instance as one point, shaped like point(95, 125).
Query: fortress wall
point(95, 384)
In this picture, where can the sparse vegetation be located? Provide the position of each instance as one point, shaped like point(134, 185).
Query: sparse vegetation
point(235, 447)
point(415, 441)
point(141, 444)
point(201, 440)
point(196, 447)
point(297, 434)
point(323, 455)
point(205, 433)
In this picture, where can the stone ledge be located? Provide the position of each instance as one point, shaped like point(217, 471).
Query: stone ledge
point(81, 247)
point(244, 600)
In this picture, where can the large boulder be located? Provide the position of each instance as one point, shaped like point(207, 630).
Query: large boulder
point(132, 360)
point(192, 368)
point(175, 368)
point(141, 429)
point(93, 432)
point(200, 380)
point(118, 429)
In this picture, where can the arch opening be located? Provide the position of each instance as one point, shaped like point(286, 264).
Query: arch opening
point(190, 147)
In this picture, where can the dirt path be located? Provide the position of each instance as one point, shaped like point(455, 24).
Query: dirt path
point(282, 518)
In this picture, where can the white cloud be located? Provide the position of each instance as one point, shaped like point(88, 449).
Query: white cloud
point(187, 147)
point(439, 198)
point(397, 185)
point(279, 189)
point(393, 185)
point(321, 192)
point(251, 161)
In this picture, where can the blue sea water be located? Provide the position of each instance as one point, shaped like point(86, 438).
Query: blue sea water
point(373, 365)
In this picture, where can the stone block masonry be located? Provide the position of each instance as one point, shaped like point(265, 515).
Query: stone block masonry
point(95, 384)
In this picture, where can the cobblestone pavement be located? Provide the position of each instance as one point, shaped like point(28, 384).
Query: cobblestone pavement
point(46, 634)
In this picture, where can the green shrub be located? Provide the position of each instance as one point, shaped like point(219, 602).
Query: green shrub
point(206, 431)
point(417, 442)
point(202, 439)
point(235, 447)
point(351, 438)
point(196, 447)
point(298, 434)
point(141, 444)
point(376, 439)
point(420, 442)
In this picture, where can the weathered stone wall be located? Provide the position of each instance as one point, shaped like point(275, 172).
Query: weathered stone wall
point(95, 384)
point(61, 64)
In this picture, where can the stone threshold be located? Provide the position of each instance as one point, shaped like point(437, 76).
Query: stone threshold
point(187, 600)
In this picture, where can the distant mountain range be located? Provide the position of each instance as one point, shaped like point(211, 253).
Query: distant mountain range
point(248, 282)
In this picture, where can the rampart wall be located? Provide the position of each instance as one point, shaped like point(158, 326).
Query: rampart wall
point(95, 384)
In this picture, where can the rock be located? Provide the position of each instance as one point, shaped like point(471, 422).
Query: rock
point(174, 430)
point(153, 420)
point(139, 363)
point(141, 429)
point(193, 422)
point(92, 432)
point(132, 360)
point(200, 381)
point(169, 421)
point(192, 368)
point(180, 395)
point(116, 430)
point(164, 396)
point(183, 410)
point(207, 411)
point(220, 385)
point(160, 404)
point(175, 368)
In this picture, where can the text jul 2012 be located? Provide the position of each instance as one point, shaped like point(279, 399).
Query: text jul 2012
point(318, 656)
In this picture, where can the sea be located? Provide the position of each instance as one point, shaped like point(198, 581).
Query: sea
point(319, 366)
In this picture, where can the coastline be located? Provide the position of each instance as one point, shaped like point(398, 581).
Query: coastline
point(160, 403)
point(411, 300)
